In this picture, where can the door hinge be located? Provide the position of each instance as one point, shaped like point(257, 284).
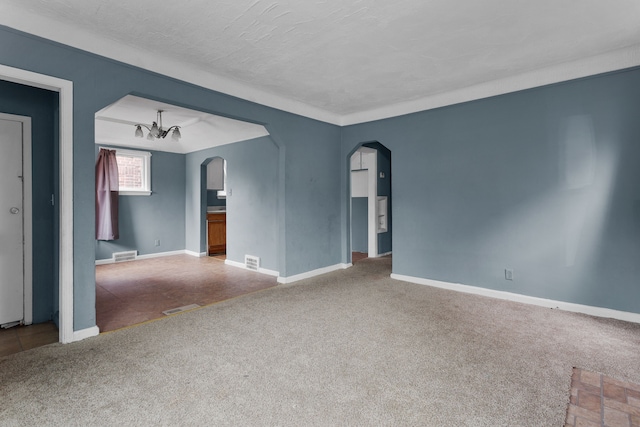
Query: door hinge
point(53, 200)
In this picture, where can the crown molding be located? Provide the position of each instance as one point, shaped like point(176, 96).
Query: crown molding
point(78, 38)
point(611, 61)
point(68, 35)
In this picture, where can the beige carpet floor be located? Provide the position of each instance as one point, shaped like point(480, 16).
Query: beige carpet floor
point(353, 347)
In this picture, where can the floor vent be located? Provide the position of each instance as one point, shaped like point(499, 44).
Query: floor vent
point(252, 262)
point(180, 309)
point(124, 256)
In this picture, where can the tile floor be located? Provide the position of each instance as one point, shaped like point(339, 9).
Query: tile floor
point(134, 292)
point(601, 401)
point(20, 338)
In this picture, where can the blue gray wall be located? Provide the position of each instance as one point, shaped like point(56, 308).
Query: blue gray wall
point(212, 199)
point(160, 216)
point(41, 105)
point(359, 224)
point(543, 181)
point(252, 206)
point(308, 210)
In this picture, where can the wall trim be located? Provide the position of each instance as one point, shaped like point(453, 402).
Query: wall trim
point(65, 91)
point(381, 255)
point(89, 42)
point(86, 333)
point(161, 254)
point(260, 269)
point(146, 256)
point(27, 209)
point(313, 273)
point(585, 67)
point(68, 35)
point(525, 299)
point(195, 254)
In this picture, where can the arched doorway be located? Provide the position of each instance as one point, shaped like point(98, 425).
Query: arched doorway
point(215, 189)
point(370, 201)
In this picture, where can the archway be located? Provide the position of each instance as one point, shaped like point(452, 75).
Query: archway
point(215, 196)
point(172, 218)
point(369, 201)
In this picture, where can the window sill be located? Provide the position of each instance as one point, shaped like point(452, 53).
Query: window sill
point(135, 193)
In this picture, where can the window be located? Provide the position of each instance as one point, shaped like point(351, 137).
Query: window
point(134, 172)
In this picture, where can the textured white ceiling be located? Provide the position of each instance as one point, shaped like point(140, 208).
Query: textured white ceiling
point(340, 57)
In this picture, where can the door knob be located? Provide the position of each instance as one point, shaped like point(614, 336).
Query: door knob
point(14, 210)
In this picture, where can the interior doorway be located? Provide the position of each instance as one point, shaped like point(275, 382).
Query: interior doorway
point(170, 219)
point(370, 201)
point(63, 223)
point(216, 204)
point(29, 296)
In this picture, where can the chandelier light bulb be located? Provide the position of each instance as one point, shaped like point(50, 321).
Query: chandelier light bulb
point(157, 132)
point(154, 130)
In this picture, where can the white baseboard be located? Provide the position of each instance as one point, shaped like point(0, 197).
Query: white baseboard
point(195, 254)
point(313, 273)
point(161, 254)
point(85, 333)
point(260, 269)
point(525, 299)
point(149, 256)
point(381, 255)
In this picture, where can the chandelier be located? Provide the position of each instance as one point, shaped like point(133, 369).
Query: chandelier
point(156, 131)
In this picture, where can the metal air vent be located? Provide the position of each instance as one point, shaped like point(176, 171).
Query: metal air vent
point(252, 262)
point(124, 256)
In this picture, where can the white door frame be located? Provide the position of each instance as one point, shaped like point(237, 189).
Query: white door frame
point(371, 156)
point(372, 202)
point(65, 91)
point(27, 215)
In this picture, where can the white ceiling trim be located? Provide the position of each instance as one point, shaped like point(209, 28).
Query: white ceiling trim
point(65, 34)
point(69, 35)
point(610, 61)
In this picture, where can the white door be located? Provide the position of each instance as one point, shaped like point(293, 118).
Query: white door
point(11, 223)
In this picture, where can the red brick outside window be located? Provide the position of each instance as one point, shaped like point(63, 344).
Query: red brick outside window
point(130, 170)
point(134, 172)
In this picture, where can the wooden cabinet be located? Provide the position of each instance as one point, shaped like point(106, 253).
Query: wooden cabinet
point(217, 233)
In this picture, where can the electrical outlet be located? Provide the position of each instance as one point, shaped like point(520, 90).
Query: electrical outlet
point(157, 242)
point(508, 274)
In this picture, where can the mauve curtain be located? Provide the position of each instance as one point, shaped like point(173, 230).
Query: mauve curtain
point(107, 195)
